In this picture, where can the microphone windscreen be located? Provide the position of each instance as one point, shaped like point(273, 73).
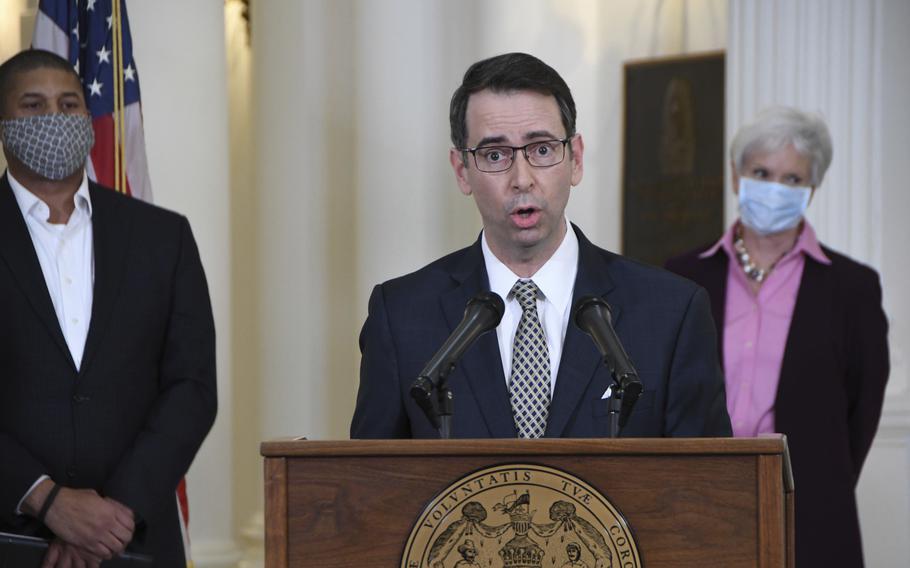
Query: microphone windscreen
point(586, 303)
point(492, 302)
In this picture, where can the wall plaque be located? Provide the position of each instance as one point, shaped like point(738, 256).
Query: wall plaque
point(674, 156)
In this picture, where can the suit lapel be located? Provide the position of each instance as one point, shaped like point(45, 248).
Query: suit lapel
point(580, 359)
point(17, 249)
point(814, 301)
point(482, 362)
point(111, 235)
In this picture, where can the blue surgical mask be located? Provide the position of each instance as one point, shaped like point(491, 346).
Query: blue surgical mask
point(767, 207)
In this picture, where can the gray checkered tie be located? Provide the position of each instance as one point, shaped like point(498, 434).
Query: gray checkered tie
point(529, 384)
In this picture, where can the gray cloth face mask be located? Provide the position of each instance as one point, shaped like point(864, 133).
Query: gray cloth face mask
point(51, 145)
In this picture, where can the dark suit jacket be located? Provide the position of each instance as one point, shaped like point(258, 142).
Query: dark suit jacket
point(829, 398)
point(663, 321)
point(129, 422)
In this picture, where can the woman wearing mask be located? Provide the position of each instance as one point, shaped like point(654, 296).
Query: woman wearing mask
point(801, 330)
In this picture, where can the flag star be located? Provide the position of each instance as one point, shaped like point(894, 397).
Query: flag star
point(76, 31)
point(76, 67)
point(129, 73)
point(95, 87)
point(110, 21)
point(91, 5)
point(103, 55)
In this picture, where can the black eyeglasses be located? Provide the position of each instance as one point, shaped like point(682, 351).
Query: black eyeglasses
point(542, 154)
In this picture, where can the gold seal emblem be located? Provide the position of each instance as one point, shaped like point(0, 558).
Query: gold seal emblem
point(521, 516)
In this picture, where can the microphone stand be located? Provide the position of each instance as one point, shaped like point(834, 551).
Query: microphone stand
point(441, 411)
point(614, 407)
point(446, 409)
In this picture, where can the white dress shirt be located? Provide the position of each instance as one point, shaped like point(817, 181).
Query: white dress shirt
point(66, 256)
point(556, 282)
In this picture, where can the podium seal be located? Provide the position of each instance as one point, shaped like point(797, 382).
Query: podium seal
point(520, 516)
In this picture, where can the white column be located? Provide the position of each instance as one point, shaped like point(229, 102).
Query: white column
point(884, 489)
point(408, 208)
point(291, 102)
point(847, 59)
point(179, 50)
point(304, 226)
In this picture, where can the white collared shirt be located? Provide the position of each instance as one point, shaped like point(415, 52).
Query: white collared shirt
point(556, 281)
point(66, 256)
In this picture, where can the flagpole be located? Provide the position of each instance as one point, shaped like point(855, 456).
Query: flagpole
point(119, 122)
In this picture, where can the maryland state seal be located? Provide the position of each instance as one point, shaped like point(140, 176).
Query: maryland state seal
point(520, 516)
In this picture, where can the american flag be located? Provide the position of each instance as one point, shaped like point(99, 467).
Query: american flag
point(95, 36)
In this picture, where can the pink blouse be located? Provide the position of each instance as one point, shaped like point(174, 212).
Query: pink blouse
point(755, 331)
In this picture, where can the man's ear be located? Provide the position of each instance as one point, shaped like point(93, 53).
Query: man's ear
point(577, 147)
point(458, 160)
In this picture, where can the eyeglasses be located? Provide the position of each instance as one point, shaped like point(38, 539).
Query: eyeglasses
point(543, 154)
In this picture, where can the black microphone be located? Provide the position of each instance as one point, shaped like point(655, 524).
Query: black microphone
point(482, 313)
point(592, 315)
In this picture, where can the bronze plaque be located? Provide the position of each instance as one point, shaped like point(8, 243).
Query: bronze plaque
point(520, 516)
point(674, 156)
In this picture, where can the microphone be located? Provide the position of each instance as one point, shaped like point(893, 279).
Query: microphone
point(482, 313)
point(592, 315)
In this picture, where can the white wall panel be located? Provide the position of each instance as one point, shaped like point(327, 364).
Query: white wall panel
point(847, 60)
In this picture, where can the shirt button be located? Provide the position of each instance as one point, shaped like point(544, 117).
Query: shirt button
point(75, 321)
point(748, 344)
point(68, 280)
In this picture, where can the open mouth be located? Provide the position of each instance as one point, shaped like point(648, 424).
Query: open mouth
point(525, 217)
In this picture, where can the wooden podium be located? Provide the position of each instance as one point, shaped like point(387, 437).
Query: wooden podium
point(689, 502)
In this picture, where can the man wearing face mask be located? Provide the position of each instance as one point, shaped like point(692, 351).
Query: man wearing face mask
point(802, 333)
point(107, 368)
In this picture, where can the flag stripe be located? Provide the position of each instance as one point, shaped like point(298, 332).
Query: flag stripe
point(85, 38)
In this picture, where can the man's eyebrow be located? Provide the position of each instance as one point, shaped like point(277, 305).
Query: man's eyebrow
point(487, 140)
point(535, 134)
point(43, 95)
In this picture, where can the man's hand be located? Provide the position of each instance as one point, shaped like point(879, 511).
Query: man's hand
point(101, 527)
point(62, 554)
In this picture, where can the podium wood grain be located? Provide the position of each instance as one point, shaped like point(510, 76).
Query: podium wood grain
point(689, 502)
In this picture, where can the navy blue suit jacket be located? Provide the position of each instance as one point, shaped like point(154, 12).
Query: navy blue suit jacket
point(129, 421)
point(663, 321)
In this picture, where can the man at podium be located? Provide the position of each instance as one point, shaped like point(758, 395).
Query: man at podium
point(517, 153)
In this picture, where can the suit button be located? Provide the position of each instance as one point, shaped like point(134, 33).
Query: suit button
point(71, 472)
point(78, 398)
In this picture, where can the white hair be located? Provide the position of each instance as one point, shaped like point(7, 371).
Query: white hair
point(776, 128)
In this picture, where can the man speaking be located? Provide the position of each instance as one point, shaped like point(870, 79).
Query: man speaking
point(517, 153)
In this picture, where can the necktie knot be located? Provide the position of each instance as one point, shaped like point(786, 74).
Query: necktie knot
point(525, 291)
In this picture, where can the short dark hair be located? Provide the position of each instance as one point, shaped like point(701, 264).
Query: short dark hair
point(29, 60)
point(506, 73)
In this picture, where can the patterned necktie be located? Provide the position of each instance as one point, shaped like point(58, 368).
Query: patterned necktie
point(529, 384)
